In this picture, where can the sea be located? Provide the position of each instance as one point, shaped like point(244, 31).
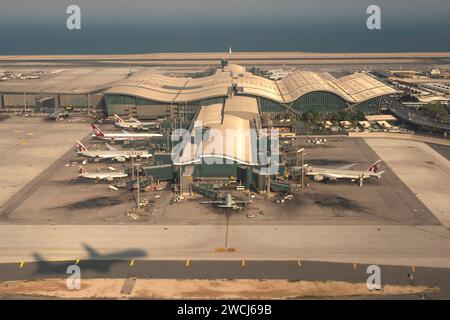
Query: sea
point(173, 36)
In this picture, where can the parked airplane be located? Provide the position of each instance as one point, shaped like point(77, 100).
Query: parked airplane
point(344, 172)
point(102, 175)
point(111, 154)
point(228, 203)
point(58, 114)
point(133, 123)
point(125, 135)
point(317, 141)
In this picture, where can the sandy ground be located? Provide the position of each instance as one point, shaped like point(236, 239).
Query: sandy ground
point(203, 289)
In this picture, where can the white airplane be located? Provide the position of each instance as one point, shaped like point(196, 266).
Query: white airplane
point(101, 175)
point(228, 203)
point(112, 153)
point(317, 141)
point(125, 135)
point(344, 172)
point(133, 123)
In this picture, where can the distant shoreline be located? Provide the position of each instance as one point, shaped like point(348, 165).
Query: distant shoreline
point(289, 55)
point(243, 58)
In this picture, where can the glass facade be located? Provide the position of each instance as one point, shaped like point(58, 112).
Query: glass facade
point(137, 106)
point(194, 105)
point(320, 102)
point(371, 106)
point(119, 99)
point(269, 106)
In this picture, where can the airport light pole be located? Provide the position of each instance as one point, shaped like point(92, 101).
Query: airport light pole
point(302, 151)
point(132, 169)
point(303, 170)
point(138, 187)
point(181, 181)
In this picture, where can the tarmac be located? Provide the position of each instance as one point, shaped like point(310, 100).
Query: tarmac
point(56, 195)
point(425, 171)
point(294, 271)
point(26, 152)
point(405, 232)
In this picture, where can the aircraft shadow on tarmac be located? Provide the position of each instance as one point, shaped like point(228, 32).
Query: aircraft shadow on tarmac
point(95, 262)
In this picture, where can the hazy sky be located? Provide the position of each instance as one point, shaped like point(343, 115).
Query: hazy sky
point(50, 12)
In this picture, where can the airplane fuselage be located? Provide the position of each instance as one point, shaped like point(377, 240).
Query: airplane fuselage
point(126, 136)
point(103, 175)
point(340, 173)
point(118, 155)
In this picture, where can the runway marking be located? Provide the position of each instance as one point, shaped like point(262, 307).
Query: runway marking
point(299, 263)
point(17, 131)
point(77, 261)
point(227, 230)
point(21, 264)
point(243, 263)
point(187, 263)
point(354, 266)
point(132, 263)
point(222, 249)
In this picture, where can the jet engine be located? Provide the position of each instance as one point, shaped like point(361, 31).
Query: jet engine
point(318, 177)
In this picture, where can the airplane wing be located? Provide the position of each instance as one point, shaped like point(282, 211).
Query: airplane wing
point(329, 176)
point(233, 207)
point(242, 202)
point(348, 166)
point(110, 148)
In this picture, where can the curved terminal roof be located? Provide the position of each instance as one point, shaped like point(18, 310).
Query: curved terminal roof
point(223, 133)
point(354, 88)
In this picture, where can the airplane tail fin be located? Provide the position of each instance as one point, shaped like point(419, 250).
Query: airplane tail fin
point(80, 147)
point(375, 166)
point(92, 252)
point(38, 257)
point(97, 131)
point(110, 148)
point(81, 171)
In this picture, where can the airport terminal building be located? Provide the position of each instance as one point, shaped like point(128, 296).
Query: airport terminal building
point(147, 94)
point(229, 99)
point(235, 99)
point(299, 92)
